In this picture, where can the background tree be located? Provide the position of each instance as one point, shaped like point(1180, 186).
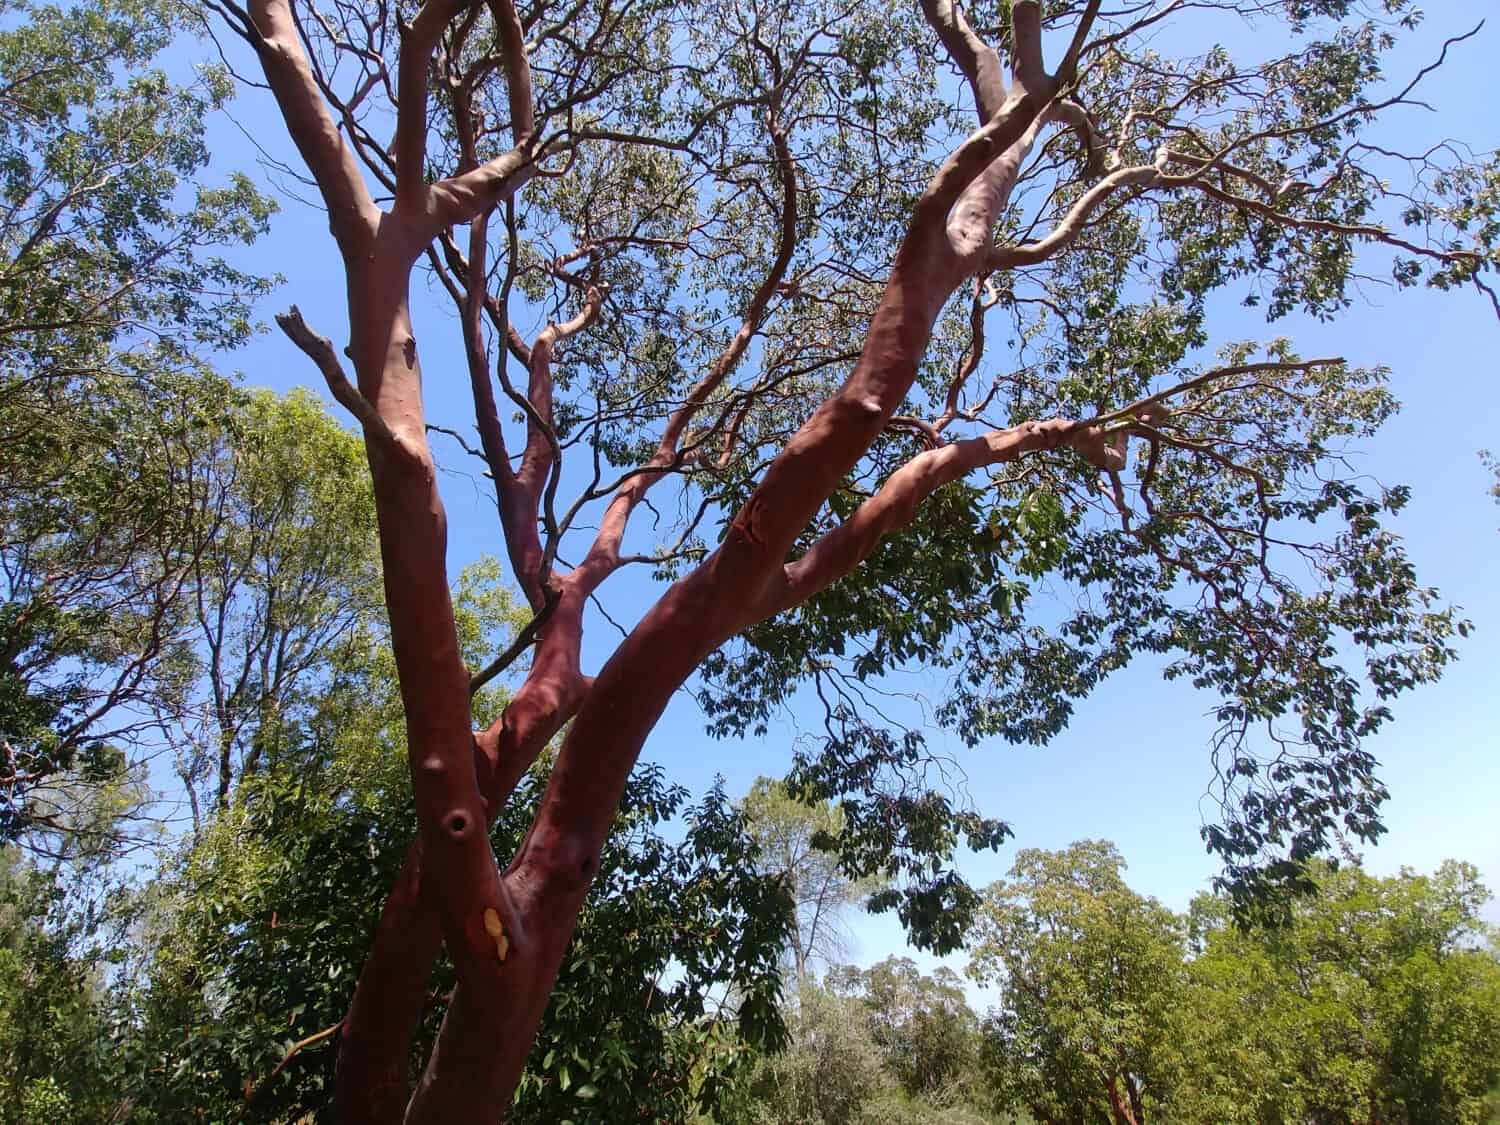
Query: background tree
point(1091, 975)
point(796, 841)
point(182, 560)
point(100, 150)
point(58, 1056)
point(110, 282)
point(284, 572)
point(1378, 999)
point(279, 899)
point(923, 1026)
point(830, 1073)
point(1106, 195)
point(96, 561)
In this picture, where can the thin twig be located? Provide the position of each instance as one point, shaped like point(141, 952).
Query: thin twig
point(523, 641)
point(315, 1037)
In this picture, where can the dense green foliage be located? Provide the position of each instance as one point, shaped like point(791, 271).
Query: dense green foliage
point(1091, 976)
point(1236, 551)
point(253, 938)
point(112, 434)
point(58, 939)
point(268, 923)
point(922, 1025)
point(1372, 999)
point(109, 240)
point(184, 562)
point(886, 1046)
point(1378, 998)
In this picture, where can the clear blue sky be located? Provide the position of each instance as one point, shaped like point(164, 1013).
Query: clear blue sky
point(1133, 767)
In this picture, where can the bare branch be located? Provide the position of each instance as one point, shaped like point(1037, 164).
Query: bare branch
point(1029, 74)
point(1062, 235)
point(524, 640)
point(301, 1044)
point(419, 40)
point(320, 350)
point(1067, 66)
point(604, 554)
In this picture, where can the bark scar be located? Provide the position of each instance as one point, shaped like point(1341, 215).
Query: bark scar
point(496, 929)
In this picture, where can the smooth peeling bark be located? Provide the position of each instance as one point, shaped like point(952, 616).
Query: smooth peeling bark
point(370, 1084)
point(838, 433)
point(457, 858)
point(484, 1044)
point(352, 214)
point(516, 504)
point(979, 62)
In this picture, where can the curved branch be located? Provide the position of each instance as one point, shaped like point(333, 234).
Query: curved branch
point(1068, 112)
point(1351, 230)
point(969, 362)
point(542, 459)
point(252, 1090)
point(604, 554)
point(977, 60)
point(272, 31)
point(895, 504)
point(1067, 67)
point(524, 640)
point(1062, 235)
point(458, 199)
point(517, 70)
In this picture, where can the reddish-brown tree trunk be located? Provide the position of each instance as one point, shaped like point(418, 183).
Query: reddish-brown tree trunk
point(507, 934)
point(1119, 1108)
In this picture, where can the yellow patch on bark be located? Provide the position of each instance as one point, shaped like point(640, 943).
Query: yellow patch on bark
point(496, 930)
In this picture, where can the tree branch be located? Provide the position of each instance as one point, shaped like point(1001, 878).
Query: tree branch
point(320, 350)
point(419, 41)
point(976, 59)
point(1062, 235)
point(272, 31)
point(605, 552)
point(895, 505)
point(1068, 112)
point(1028, 73)
point(252, 1090)
point(458, 199)
point(524, 640)
point(1067, 67)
